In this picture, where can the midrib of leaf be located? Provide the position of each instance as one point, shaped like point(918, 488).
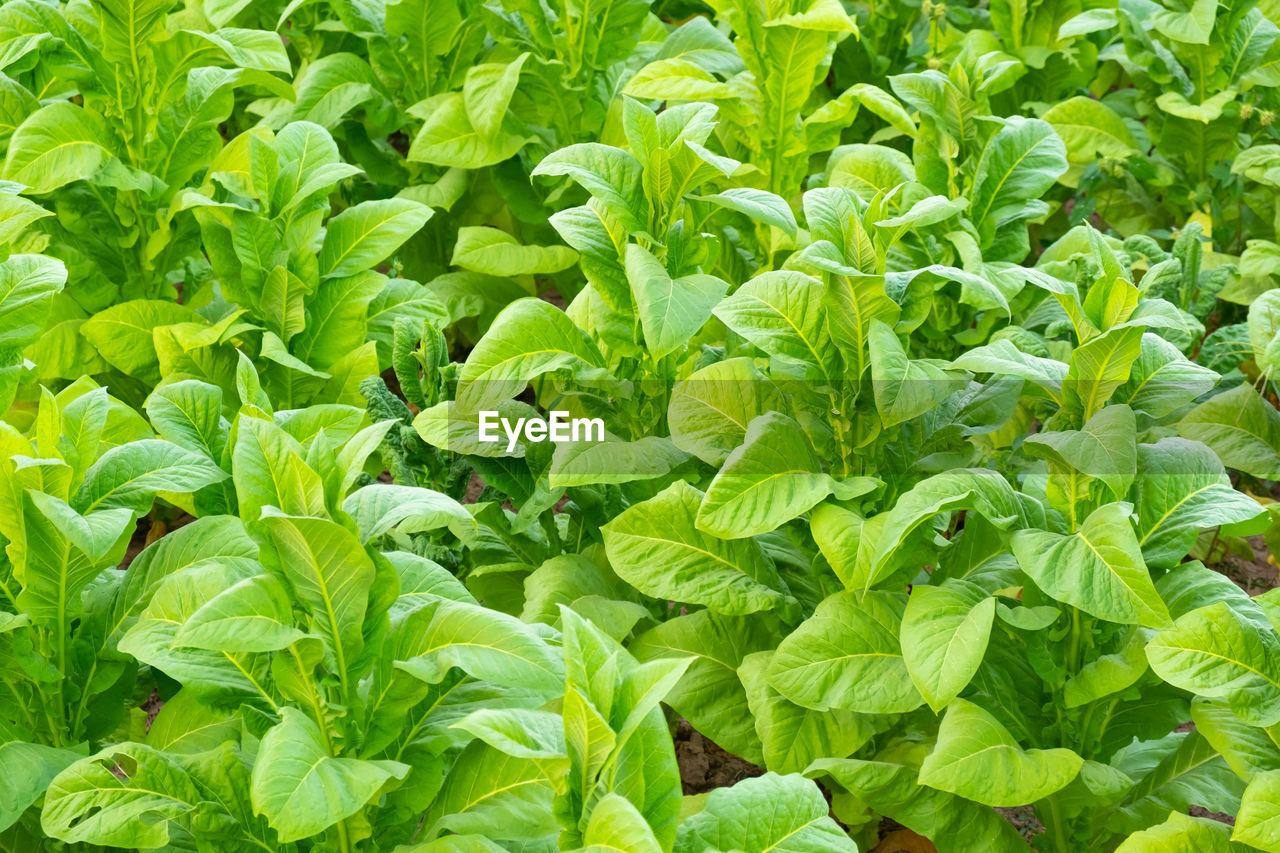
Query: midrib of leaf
point(1161, 520)
point(817, 360)
point(1221, 657)
point(1141, 604)
point(691, 547)
point(1000, 186)
point(364, 235)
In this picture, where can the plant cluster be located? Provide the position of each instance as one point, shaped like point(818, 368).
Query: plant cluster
point(933, 348)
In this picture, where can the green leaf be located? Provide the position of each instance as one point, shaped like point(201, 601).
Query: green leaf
point(1163, 380)
point(782, 313)
point(302, 789)
point(1180, 834)
point(1022, 161)
point(709, 412)
point(1183, 490)
point(769, 812)
point(1204, 112)
point(485, 643)
point(495, 252)
point(529, 338)
point(904, 388)
point(656, 547)
point(583, 463)
point(1104, 448)
point(1241, 427)
point(1248, 750)
point(611, 175)
point(28, 284)
point(1099, 367)
point(759, 205)
point(710, 695)
point(487, 91)
point(945, 631)
point(671, 310)
point(1090, 129)
point(130, 475)
point(254, 615)
point(792, 736)
point(189, 414)
point(847, 655)
point(1217, 653)
point(330, 574)
point(771, 478)
point(97, 802)
point(976, 758)
point(366, 234)
point(123, 334)
point(380, 507)
point(494, 795)
point(960, 825)
point(1190, 22)
point(517, 731)
point(28, 769)
point(1258, 822)
point(1109, 577)
point(448, 138)
point(57, 144)
point(616, 824)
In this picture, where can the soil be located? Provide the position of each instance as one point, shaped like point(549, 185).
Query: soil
point(1254, 576)
point(1024, 820)
point(152, 706)
point(704, 766)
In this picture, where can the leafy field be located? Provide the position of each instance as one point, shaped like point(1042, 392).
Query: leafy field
point(932, 349)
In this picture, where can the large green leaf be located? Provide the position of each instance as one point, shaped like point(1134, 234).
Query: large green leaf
point(1021, 162)
point(529, 338)
point(363, 235)
point(28, 284)
point(493, 251)
point(904, 388)
point(847, 655)
point(711, 695)
point(448, 138)
point(771, 478)
point(96, 801)
point(486, 644)
point(978, 759)
point(791, 736)
point(130, 475)
point(1183, 490)
point(945, 630)
point(956, 824)
point(57, 144)
point(1109, 578)
point(709, 412)
point(782, 313)
point(770, 812)
point(28, 769)
point(1241, 427)
point(671, 310)
point(657, 547)
point(1217, 653)
point(330, 574)
point(1090, 129)
point(1258, 823)
point(302, 788)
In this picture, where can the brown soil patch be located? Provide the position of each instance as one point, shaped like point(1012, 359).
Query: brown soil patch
point(705, 766)
point(1254, 576)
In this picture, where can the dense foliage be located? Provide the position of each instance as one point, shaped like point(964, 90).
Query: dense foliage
point(933, 346)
